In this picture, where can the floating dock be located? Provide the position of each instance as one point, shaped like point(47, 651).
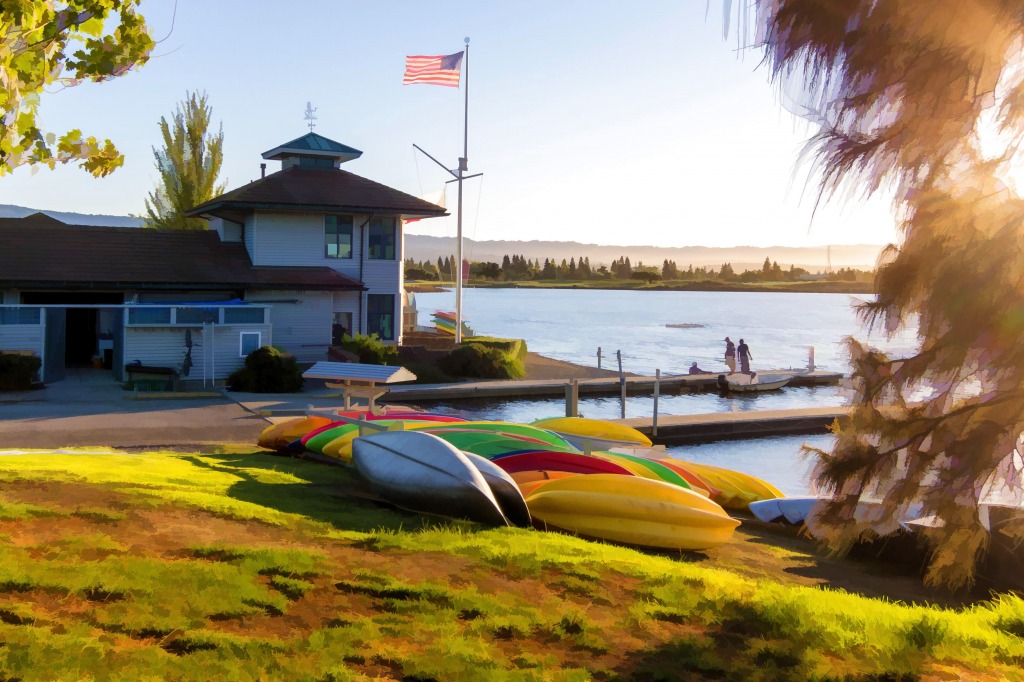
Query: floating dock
point(701, 428)
point(635, 385)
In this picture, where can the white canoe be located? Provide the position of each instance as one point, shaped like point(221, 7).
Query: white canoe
point(505, 489)
point(422, 473)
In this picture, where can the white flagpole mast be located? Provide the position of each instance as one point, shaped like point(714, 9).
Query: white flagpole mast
point(463, 167)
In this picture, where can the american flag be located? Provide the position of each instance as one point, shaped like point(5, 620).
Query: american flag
point(434, 70)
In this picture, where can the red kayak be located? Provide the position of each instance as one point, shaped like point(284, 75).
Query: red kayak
point(544, 460)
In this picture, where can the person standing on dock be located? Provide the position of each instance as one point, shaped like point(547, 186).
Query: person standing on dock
point(745, 357)
point(730, 355)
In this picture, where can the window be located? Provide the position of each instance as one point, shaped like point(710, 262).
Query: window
point(147, 315)
point(380, 316)
point(243, 315)
point(19, 315)
point(248, 342)
point(197, 316)
point(337, 236)
point(382, 239)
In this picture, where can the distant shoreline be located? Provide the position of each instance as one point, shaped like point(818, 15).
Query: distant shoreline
point(820, 287)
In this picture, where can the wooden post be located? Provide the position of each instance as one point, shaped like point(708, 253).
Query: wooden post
point(657, 390)
point(599, 357)
point(810, 359)
point(622, 382)
point(572, 398)
point(568, 399)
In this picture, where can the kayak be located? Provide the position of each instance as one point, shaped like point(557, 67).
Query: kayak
point(555, 441)
point(600, 434)
point(560, 461)
point(422, 473)
point(278, 436)
point(635, 511)
point(505, 490)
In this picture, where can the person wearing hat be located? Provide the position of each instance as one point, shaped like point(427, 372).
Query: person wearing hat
point(730, 355)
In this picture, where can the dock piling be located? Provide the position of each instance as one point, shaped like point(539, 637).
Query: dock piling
point(572, 398)
point(622, 382)
point(657, 391)
point(599, 357)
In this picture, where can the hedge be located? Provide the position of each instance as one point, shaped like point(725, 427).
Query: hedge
point(514, 347)
point(480, 361)
point(17, 372)
point(267, 370)
point(370, 349)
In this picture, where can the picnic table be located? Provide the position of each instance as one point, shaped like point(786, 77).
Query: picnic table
point(357, 380)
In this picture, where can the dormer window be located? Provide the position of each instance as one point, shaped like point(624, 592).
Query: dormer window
point(337, 236)
point(382, 239)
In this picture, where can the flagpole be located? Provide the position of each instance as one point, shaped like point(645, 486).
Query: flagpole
point(463, 167)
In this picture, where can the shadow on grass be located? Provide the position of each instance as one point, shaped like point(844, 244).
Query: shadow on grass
point(329, 494)
point(891, 568)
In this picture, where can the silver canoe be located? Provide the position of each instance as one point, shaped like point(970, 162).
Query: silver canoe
point(422, 473)
point(505, 490)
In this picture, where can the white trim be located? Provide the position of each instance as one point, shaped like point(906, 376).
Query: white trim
point(241, 342)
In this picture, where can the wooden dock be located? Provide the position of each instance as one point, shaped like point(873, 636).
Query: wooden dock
point(635, 385)
point(701, 428)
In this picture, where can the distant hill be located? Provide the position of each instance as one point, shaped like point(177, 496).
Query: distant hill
point(860, 256)
point(12, 211)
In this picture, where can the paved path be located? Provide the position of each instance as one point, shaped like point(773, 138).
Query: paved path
point(90, 409)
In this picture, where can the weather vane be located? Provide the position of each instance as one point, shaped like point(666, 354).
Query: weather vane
point(310, 115)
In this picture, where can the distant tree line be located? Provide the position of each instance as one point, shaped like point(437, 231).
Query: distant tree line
point(518, 268)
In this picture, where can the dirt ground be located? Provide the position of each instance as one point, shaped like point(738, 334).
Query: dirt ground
point(540, 367)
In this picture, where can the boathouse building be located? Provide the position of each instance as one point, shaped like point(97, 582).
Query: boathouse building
point(292, 259)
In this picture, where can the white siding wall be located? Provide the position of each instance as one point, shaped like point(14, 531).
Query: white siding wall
point(298, 239)
point(249, 236)
point(303, 328)
point(217, 356)
point(22, 337)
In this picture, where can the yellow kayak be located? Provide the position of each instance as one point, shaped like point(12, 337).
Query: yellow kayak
point(277, 436)
point(738, 489)
point(601, 434)
point(632, 510)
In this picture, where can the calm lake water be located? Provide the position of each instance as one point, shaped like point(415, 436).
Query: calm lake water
point(571, 324)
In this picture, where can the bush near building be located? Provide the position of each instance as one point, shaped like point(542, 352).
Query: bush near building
point(267, 370)
point(17, 372)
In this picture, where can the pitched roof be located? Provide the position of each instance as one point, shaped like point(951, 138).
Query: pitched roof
point(39, 254)
point(312, 144)
point(318, 190)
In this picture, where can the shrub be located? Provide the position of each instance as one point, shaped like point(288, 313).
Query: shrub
point(371, 350)
point(513, 347)
point(18, 371)
point(267, 370)
point(479, 361)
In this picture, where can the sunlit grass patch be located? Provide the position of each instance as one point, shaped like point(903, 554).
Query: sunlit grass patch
point(286, 578)
point(13, 511)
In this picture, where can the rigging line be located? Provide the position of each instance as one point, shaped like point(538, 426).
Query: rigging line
point(416, 161)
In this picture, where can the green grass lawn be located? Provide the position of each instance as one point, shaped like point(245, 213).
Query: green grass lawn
point(242, 565)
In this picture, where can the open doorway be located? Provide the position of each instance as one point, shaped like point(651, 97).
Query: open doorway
point(80, 337)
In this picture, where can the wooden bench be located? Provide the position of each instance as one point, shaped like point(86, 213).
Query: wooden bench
point(142, 376)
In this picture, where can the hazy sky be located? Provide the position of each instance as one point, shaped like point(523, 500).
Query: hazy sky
point(606, 122)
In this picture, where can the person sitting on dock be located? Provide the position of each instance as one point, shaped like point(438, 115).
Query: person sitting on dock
point(694, 369)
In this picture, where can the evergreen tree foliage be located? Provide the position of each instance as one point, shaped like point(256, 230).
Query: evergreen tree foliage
point(188, 164)
point(902, 94)
point(45, 43)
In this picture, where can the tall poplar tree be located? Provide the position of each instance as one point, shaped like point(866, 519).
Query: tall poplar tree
point(903, 94)
point(189, 164)
point(46, 42)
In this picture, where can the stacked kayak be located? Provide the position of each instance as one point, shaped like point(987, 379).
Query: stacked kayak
point(597, 479)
